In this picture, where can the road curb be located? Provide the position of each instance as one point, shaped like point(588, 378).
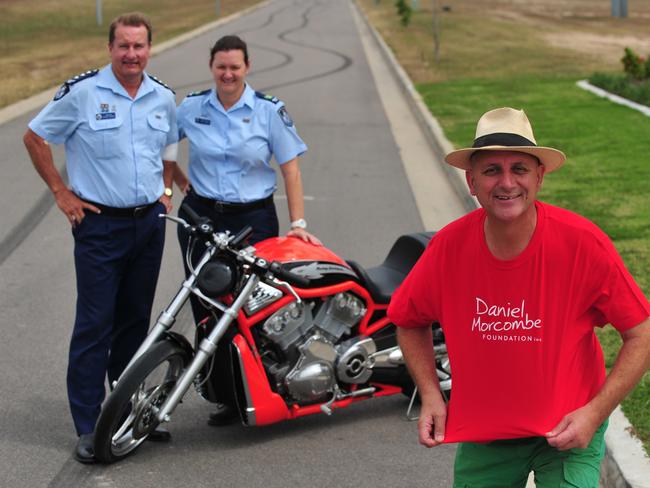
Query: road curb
point(430, 125)
point(585, 85)
point(625, 465)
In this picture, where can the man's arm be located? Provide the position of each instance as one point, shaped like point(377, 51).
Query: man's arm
point(169, 167)
point(577, 428)
point(41, 156)
point(417, 346)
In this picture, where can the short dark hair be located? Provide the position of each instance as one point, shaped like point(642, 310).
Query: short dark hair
point(229, 43)
point(132, 19)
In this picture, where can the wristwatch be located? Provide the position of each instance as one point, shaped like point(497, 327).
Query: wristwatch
point(300, 224)
point(169, 192)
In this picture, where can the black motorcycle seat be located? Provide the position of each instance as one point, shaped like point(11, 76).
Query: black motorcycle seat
point(382, 281)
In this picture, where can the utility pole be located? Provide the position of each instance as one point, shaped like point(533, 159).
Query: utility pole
point(98, 11)
point(436, 36)
point(218, 8)
point(619, 8)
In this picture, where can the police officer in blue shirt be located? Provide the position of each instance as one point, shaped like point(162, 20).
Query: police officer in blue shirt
point(233, 133)
point(119, 128)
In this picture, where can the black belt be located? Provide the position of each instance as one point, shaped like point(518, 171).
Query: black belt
point(140, 211)
point(231, 207)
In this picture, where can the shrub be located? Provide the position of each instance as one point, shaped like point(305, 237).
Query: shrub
point(622, 85)
point(633, 65)
point(404, 11)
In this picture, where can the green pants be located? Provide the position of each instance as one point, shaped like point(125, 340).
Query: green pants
point(507, 463)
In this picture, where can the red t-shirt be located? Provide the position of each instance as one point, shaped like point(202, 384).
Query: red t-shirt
point(520, 333)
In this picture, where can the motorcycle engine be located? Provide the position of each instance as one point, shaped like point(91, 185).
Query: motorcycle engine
point(313, 357)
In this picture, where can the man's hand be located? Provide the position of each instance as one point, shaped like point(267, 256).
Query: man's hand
point(167, 202)
point(433, 416)
point(72, 206)
point(575, 430)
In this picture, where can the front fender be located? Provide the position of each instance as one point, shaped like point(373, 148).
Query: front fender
point(180, 340)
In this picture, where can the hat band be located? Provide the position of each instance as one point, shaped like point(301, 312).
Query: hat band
point(502, 139)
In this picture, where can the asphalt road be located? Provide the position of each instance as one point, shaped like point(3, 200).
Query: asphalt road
point(358, 201)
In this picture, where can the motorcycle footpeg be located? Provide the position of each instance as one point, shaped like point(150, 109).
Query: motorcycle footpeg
point(326, 408)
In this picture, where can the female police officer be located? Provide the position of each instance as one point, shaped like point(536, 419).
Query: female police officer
point(233, 132)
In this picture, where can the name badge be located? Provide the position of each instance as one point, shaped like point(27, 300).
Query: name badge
point(105, 116)
point(202, 120)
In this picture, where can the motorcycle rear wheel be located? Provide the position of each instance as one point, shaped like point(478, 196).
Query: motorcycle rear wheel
point(128, 415)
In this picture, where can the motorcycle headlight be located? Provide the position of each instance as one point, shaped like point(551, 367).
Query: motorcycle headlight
point(217, 278)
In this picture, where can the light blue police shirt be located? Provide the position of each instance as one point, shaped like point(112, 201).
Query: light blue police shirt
point(113, 143)
point(230, 150)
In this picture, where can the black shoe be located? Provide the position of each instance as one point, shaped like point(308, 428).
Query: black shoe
point(84, 451)
point(159, 435)
point(225, 415)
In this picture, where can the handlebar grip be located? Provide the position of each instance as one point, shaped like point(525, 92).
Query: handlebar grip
point(241, 236)
point(286, 275)
point(195, 218)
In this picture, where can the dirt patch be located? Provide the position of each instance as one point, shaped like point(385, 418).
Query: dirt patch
point(585, 26)
point(609, 48)
point(557, 9)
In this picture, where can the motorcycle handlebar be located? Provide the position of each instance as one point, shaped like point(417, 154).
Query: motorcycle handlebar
point(274, 267)
point(286, 275)
point(241, 236)
point(195, 219)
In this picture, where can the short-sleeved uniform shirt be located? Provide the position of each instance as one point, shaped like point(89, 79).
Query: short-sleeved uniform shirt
point(520, 333)
point(113, 142)
point(230, 150)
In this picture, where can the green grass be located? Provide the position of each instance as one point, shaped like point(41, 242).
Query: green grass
point(605, 177)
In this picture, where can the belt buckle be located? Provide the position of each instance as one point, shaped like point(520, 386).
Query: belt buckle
point(218, 206)
point(138, 211)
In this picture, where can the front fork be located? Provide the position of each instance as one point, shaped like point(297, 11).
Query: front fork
point(205, 350)
point(168, 316)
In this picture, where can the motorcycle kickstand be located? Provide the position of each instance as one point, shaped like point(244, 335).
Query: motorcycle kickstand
point(409, 417)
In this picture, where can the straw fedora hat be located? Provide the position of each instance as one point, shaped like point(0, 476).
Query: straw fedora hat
point(506, 129)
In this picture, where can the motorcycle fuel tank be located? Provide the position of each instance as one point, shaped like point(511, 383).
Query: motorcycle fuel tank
point(287, 249)
point(317, 263)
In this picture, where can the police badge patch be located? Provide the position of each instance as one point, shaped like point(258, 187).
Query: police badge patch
point(63, 91)
point(286, 118)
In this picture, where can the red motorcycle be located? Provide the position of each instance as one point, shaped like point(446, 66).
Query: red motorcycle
point(294, 330)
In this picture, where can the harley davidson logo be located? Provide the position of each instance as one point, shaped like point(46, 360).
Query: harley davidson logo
point(316, 270)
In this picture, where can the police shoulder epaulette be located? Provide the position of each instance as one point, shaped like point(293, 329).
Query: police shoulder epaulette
point(199, 93)
point(65, 88)
point(268, 98)
point(161, 83)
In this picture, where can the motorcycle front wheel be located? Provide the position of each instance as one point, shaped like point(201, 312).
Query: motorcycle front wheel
point(128, 415)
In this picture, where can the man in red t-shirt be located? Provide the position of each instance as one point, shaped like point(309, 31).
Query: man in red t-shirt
point(518, 287)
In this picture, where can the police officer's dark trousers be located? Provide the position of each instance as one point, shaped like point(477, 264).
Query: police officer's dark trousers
point(117, 260)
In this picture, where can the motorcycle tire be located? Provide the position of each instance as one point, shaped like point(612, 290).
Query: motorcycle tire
point(128, 414)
